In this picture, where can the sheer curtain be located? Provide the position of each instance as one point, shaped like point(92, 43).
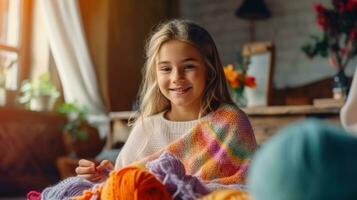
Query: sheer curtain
point(71, 54)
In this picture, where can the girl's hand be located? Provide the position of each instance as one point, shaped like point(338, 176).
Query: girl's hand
point(86, 169)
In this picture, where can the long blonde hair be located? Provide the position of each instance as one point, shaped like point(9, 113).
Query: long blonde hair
point(151, 100)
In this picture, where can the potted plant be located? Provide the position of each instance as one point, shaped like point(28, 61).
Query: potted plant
point(80, 139)
point(338, 41)
point(38, 94)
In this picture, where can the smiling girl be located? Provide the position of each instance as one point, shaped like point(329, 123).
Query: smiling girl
point(183, 84)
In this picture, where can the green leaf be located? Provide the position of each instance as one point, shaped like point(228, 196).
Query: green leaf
point(316, 46)
point(77, 116)
point(32, 88)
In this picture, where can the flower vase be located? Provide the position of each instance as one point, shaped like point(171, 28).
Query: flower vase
point(239, 98)
point(340, 86)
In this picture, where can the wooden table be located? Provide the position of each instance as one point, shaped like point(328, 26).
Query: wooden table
point(266, 121)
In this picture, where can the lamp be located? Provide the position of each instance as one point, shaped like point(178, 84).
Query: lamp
point(253, 10)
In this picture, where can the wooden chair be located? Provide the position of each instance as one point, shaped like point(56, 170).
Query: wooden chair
point(261, 66)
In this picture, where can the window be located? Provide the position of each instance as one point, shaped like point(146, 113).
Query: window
point(15, 21)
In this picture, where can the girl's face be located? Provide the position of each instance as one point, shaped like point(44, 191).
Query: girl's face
point(181, 74)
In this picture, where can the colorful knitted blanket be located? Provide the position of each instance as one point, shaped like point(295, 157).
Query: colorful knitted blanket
point(218, 149)
point(214, 155)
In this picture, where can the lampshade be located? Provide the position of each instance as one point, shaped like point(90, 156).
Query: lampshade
point(253, 10)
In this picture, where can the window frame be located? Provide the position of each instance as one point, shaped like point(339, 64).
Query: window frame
point(23, 48)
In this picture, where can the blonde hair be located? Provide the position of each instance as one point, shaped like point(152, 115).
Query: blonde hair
point(151, 101)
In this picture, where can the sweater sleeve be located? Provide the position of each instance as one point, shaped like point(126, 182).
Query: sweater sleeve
point(133, 146)
point(247, 140)
point(348, 112)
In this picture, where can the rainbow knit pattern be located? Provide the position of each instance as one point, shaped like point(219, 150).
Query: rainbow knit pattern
point(218, 149)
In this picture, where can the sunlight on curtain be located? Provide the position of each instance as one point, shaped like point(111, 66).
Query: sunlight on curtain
point(71, 54)
point(9, 35)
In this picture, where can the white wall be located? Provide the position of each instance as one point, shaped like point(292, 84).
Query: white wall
point(291, 23)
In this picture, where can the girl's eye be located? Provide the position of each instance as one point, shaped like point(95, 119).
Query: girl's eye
point(165, 68)
point(189, 67)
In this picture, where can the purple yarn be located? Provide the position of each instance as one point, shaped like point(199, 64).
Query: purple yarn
point(169, 164)
point(66, 189)
point(169, 169)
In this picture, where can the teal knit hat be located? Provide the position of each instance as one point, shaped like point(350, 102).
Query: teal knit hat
point(309, 160)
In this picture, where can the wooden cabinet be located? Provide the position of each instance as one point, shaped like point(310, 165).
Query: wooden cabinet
point(30, 143)
point(266, 121)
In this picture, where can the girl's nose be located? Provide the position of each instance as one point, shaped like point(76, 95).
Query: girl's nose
point(178, 76)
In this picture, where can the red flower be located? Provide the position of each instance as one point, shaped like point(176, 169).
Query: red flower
point(321, 16)
point(351, 6)
point(322, 22)
point(319, 9)
point(250, 81)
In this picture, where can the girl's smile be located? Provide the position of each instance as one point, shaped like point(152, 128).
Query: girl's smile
point(180, 90)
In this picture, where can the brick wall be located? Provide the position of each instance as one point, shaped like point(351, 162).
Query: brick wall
point(291, 23)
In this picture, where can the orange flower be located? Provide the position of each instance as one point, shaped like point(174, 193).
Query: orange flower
point(238, 79)
point(230, 73)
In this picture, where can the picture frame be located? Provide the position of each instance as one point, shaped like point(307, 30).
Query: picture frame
point(261, 57)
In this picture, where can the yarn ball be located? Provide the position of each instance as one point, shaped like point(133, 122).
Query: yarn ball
point(90, 194)
point(169, 169)
point(227, 195)
point(310, 160)
point(133, 183)
point(66, 189)
point(33, 195)
point(166, 163)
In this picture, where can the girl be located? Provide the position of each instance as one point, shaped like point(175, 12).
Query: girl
point(183, 83)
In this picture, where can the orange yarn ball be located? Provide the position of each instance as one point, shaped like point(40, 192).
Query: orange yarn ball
point(135, 184)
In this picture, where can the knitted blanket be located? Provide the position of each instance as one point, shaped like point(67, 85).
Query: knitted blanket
point(218, 149)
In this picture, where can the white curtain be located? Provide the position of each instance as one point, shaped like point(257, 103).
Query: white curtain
point(76, 71)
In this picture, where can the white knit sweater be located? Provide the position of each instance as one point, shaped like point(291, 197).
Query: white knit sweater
point(150, 135)
point(349, 110)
